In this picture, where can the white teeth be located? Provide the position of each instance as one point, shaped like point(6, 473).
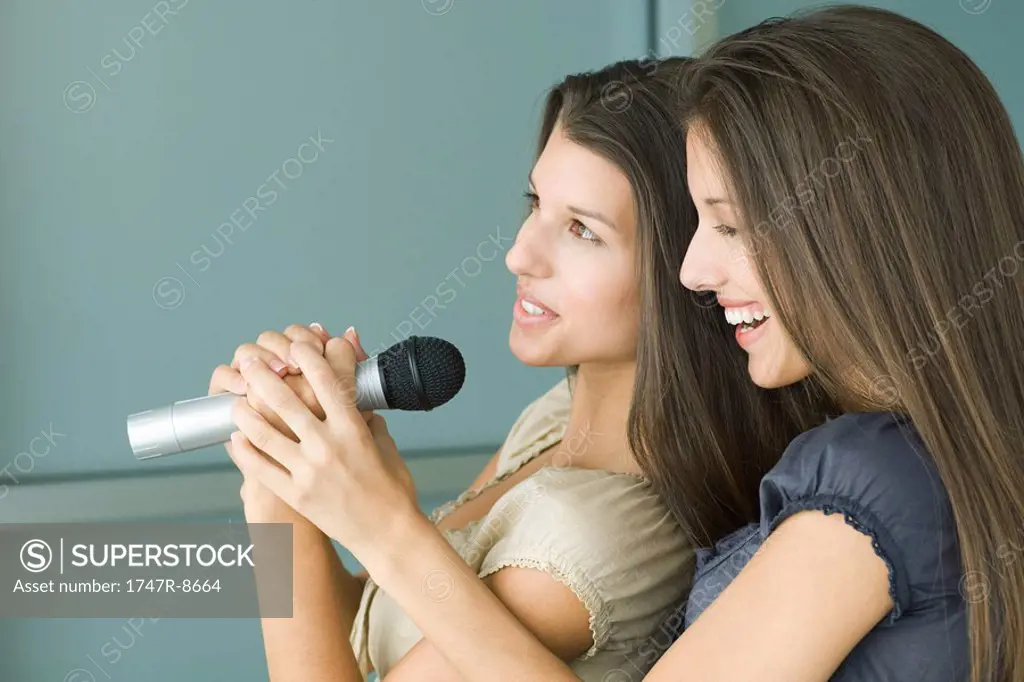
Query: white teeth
point(531, 308)
point(736, 316)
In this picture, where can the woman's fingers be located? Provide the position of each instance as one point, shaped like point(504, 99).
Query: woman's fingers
point(320, 331)
point(254, 350)
point(277, 343)
point(353, 337)
point(261, 434)
point(226, 380)
point(254, 465)
point(280, 398)
point(379, 430)
point(298, 333)
point(333, 380)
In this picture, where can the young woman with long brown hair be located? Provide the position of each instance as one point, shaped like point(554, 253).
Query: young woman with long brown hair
point(563, 526)
point(860, 192)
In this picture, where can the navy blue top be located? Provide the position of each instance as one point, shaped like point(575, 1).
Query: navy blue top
point(874, 470)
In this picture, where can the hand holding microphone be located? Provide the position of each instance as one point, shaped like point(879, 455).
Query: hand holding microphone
point(261, 505)
point(314, 450)
point(344, 474)
point(273, 348)
point(418, 374)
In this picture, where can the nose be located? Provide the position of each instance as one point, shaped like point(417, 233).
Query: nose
point(528, 256)
point(702, 268)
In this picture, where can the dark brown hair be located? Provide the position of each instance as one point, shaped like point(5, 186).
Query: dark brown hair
point(700, 430)
point(881, 188)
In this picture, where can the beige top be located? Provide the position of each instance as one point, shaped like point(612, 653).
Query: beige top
point(605, 535)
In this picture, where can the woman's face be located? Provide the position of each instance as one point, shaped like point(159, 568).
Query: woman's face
point(718, 260)
point(577, 297)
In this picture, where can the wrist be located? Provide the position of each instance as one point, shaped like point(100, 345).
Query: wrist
point(270, 510)
point(397, 540)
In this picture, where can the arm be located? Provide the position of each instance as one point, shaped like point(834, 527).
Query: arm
point(482, 629)
point(817, 581)
point(820, 585)
point(547, 608)
point(488, 472)
point(314, 643)
point(326, 599)
point(345, 475)
point(326, 596)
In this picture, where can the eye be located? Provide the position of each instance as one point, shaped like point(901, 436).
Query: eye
point(532, 199)
point(725, 230)
point(581, 231)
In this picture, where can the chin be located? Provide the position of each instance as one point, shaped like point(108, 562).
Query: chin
point(771, 373)
point(532, 351)
point(767, 382)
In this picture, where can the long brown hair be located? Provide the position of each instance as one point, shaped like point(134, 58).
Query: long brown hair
point(882, 187)
point(700, 430)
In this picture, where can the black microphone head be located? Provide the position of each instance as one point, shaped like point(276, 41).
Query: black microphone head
point(421, 373)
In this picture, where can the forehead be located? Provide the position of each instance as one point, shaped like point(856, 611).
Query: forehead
point(574, 161)
point(568, 173)
point(703, 172)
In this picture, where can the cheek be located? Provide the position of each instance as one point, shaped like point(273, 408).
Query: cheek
point(613, 308)
point(606, 291)
point(796, 365)
point(742, 270)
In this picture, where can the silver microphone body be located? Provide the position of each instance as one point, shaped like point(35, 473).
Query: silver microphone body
point(201, 422)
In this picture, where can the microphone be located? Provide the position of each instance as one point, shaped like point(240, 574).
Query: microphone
point(417, 374)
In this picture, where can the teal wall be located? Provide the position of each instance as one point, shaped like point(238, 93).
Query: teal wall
point(987, 30)
point(128, 145)
point(120, 163)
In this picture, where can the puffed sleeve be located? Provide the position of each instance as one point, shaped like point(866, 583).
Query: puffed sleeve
point(607, 537)
point(873, 469)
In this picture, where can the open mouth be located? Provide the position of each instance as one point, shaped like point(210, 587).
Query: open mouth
point(747, 318)
point(532, 308)
point(751, 326)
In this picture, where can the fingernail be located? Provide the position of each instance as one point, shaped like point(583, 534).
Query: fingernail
point(319, 327)
point(276, 365)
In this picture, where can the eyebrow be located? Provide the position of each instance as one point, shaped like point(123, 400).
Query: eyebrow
point(594, 215)
point(714, 201)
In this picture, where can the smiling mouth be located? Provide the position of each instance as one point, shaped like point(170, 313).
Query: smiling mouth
point(747, 318)
point(751, 326)
point(532, 308)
